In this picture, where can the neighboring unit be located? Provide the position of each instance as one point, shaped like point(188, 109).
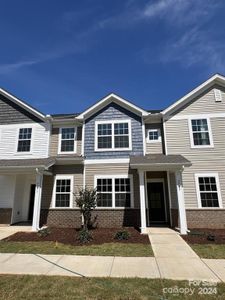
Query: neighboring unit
point(149, 167)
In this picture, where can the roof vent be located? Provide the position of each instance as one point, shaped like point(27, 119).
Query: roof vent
point(218, 95)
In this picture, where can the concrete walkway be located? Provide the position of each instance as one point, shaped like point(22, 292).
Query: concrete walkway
point(109, 266)
point(176, 259)
point(6, 231)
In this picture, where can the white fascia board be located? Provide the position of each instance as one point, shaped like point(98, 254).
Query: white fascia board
point(100, 104)
point(188, 97)
point(23, 104)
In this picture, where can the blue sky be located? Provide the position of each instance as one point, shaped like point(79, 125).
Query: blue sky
point(62, 56)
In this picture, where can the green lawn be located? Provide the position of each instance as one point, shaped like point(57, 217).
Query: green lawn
point(108, 249)
point(209, 250)
point(68, 288)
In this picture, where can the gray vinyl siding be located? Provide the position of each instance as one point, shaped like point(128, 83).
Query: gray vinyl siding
point(48, 183)
point(54, 141)
point(205, 103)
point(11, 113)
point(204, 160)
point(113, 112)
point(113, 169)
point(152, 148)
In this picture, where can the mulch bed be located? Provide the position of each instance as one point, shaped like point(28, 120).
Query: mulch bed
point(70, 236)
point(205, 236)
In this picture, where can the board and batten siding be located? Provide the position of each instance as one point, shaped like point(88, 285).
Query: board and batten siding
point(7, 188)
point(113, 112)
point(113, 169)
point(154, 147)
point(48, 183)
point(9, 141)
point(204, 160)
point(54, 141)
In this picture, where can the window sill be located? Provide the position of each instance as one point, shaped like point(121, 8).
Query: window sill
point(113, 150)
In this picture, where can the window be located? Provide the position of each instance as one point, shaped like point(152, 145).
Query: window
point(104, 136)
point(153, 135)
point(63, 191)
point(208, 190)
point(24, 141)
point(113, 135)
point(114, 191)
point(67, 141)
point(201, 134)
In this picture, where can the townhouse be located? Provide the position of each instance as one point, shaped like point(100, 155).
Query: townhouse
point(149, 167)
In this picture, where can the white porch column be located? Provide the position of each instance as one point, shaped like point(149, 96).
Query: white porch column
point(37, 201)
point(142, 201)
point(181, 204)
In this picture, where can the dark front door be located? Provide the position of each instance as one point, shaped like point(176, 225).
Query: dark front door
point(31, 206)
point(156, 203)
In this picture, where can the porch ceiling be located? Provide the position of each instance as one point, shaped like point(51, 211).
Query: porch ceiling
point(159, 161)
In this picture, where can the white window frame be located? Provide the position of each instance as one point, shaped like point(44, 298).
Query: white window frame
point(60, 140)
point(159, 135)
point(71, 191)
point(113, 177)
point(112, 122)
point(216, 175)
point(31, 141)
point(200, 117)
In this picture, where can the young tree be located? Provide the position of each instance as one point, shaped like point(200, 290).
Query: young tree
point(86, 201)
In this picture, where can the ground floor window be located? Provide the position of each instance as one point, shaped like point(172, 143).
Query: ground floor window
point(114, 191)
point(208, 190)
point(63, 191)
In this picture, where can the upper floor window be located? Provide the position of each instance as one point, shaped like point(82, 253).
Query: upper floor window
point(153, 135)
point(208, 190)
point(113, 135)
point(24, 140)
point(67, 140)
point(201, 133)
point(114, 191)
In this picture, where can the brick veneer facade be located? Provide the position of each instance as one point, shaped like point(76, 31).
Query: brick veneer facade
point(101, 218)
point(5, 215)
point(201, 218)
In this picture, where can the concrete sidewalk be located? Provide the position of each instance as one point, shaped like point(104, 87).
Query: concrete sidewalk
point(176, 259)
point(109, 266)
point(6, 231)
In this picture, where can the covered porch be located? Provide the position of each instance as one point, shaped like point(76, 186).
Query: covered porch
point(21, 188)
point(161, 187)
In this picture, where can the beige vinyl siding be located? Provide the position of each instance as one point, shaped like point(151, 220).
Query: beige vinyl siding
point(113, 169)
point(204, 160)
point(153, 147)
point(54, 141)
point(205, 103)
point(48, 182)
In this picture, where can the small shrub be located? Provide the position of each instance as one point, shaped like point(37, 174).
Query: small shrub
point(84, 236)
point(122, 235)
point(211, 237)
point(44, 232)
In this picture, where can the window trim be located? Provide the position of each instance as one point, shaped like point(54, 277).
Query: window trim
point(71, 191)
point(159, 135)
point(113, 177)
point(112, 122)
point(31, 140)
point(211, 145)
point(216, 175)
point(60, 140)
